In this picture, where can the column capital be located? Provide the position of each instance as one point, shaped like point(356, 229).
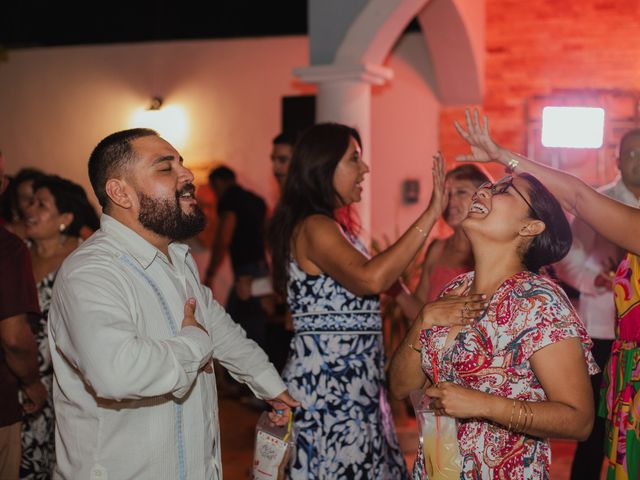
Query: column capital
point(362, 72)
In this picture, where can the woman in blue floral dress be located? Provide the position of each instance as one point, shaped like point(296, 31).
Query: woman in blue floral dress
point(336, 363)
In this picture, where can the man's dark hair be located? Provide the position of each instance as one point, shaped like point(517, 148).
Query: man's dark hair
point(285, 138)
point(222, 173)
point(110, 157)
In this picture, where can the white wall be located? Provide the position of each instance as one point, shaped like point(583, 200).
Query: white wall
point(405, 118)
point(57, 103)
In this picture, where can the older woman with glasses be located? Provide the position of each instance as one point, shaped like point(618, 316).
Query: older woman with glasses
point(516, 372)
point(620, 224)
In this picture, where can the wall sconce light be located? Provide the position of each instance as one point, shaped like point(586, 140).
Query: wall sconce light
point(156, 103)
point(169, 121)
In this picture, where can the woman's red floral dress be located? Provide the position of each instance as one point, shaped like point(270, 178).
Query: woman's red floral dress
point(526, 313)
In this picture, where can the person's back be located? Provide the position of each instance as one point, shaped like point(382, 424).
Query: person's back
point(247, 246)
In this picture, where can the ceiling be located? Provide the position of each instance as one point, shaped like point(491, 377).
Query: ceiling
point(30, 23)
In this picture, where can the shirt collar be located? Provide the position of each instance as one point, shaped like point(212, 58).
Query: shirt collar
point(139, 248)
point(625, 194)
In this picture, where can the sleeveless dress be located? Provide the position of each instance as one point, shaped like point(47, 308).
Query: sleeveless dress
point(526, 313)
point(38, 440)
point(336, 370)
point(620, 395)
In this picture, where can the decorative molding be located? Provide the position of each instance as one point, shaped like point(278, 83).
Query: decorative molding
point(362, 72)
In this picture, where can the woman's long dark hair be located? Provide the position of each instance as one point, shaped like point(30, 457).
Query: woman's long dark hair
point(308, 189)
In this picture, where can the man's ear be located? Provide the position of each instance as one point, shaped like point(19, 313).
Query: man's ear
point(532, 228)
point(119, 192)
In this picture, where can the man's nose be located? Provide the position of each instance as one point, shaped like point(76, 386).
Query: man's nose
point(185, 174)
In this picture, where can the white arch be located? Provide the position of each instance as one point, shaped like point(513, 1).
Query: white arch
point(375, 30)
point(454, 32)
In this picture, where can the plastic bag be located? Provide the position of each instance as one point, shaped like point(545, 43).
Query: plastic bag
point(439, 440)
point(273, 450)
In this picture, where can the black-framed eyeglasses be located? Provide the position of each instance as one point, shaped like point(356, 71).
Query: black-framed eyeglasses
point(501, 186)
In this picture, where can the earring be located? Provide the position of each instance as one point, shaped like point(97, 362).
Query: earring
point(62, 227)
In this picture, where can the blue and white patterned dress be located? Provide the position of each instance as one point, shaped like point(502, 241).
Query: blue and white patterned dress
point(336, 370)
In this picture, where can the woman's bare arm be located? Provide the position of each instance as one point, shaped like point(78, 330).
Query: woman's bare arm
point(568, 411)
point(615, 221)
point(321, 243)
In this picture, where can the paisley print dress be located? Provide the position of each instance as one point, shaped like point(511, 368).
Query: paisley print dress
point(620, 395)
point(526, 313)
point(336, 370)
point(38, 441)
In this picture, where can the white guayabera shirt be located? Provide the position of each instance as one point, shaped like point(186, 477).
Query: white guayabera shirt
point(130, 402)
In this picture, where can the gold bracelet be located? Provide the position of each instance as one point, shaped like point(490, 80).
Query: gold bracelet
point(517, 425)
point(513, 409)
point(410, 345)
point(512, 164)
point(424, 234)
point(528, 427)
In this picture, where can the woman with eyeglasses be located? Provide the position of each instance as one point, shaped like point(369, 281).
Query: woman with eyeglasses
point(517, 373)
point(620, 224)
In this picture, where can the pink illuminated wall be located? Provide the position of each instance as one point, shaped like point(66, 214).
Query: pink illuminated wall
point(57, 103)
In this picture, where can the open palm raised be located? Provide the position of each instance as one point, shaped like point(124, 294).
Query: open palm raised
point(483, 148)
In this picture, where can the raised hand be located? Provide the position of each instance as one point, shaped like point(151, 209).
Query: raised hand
point(483, 148)
point(453, 309)
point(440, 194)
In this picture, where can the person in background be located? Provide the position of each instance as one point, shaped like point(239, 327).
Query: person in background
point(281, 153)
point(58, 212)
point(133, 331)
point(240, 233)
point(448, 257)
point(20, 196)
point(18, 349)
point(589, 268)
point(336, 362)
point(620, 224)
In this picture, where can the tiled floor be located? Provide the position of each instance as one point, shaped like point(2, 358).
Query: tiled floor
point(238, 423)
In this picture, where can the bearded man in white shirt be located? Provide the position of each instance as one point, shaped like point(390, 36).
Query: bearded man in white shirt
point(133, 332)
point(589, 268)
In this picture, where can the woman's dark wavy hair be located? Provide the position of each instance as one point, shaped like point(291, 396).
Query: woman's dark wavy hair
point(555, 241)
point(70, 197)
point(308, 190)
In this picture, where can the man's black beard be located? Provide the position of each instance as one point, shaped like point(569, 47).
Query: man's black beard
point(167, 219)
